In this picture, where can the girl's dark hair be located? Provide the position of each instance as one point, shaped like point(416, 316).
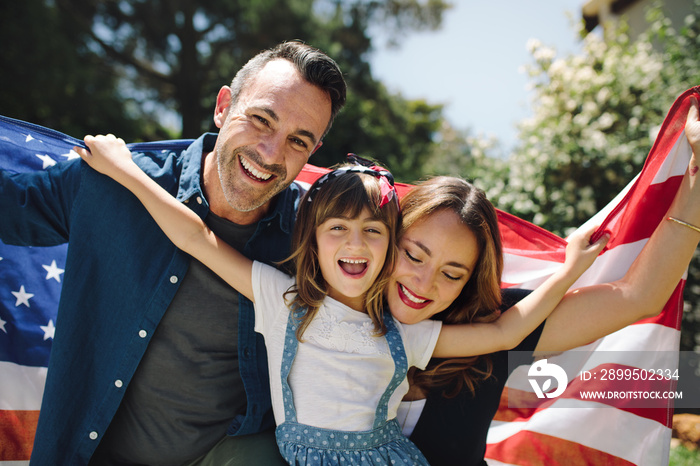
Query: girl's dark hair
point(345, 195)
point(480, 298)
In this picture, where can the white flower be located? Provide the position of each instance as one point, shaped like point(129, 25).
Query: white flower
point(603, 95)
point(532, 44)
point(605, 121)
point(544, 54)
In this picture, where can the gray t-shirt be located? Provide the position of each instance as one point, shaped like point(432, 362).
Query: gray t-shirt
point(187, 388)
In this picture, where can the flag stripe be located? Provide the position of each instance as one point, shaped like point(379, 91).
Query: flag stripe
point(527, 403)
point(650, 347)
point(21, 387)
point(641, 340)
point(18, 428)
point(654, 205)
point(615, 432)
point(535, 449)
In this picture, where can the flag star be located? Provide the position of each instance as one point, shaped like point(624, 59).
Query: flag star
point(48, 161)
point(22, 296)
point(52, 271)
point(71, 155)
point(29, 138)
point(2, 325)
point(49, 330)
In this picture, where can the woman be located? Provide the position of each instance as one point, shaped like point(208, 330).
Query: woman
point(432, 281)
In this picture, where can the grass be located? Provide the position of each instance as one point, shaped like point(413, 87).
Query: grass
point(681, 456)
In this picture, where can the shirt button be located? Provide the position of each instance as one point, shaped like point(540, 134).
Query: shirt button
point(118, 383)
point(143, 333)
point(247, 352)
point(199, 200)
point(173, 279)
point(93, 435)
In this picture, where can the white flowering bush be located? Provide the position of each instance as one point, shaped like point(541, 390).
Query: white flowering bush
point(595, 116)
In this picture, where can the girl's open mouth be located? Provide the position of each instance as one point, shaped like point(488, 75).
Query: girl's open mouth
point(356, 267)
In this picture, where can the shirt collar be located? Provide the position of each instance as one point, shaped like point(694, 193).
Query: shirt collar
point(191, 176)
point(285, 204)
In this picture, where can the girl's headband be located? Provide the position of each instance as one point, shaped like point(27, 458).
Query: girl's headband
point(361, 165)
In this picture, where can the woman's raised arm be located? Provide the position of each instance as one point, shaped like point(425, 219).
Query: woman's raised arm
point(589, 313)
point(512, 327)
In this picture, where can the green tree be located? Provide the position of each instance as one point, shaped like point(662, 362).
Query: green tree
point(459, 153)
point(390, 129)
point(375, 123)
point(175, 55)
point(145, 69)
point(50, 78)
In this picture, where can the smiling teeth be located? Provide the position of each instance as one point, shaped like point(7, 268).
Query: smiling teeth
point(253, 171)
point(354, 261)
point(411, 296)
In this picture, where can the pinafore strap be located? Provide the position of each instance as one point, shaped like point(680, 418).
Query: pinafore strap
point(398, 354)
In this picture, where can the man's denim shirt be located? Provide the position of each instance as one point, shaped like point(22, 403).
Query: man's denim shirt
point(121, 274)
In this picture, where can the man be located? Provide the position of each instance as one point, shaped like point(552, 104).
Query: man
point(154, 358)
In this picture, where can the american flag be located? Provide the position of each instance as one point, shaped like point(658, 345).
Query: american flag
point(30, 285)
point(577, 432)
point(585, 432)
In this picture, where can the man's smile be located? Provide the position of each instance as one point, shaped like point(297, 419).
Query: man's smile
point(253, 172)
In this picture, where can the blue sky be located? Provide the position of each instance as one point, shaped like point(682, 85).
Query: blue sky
point(472, 63)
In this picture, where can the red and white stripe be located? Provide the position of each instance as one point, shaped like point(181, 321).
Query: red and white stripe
point(21, 389)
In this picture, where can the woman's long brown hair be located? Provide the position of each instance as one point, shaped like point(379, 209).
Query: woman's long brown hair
point(480, 298)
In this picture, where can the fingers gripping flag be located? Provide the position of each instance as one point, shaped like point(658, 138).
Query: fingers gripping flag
point(30, 284)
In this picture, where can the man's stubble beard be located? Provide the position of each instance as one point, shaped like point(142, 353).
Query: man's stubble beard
point(237, 199)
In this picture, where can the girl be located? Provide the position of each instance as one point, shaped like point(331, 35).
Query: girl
point(349, 358)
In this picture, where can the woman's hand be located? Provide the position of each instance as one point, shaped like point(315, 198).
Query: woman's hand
point(107, 154)
point(580, 252)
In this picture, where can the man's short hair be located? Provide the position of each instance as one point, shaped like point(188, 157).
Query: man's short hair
point(315, 66)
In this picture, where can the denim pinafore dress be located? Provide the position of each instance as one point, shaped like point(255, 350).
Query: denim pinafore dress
point(301, 444)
